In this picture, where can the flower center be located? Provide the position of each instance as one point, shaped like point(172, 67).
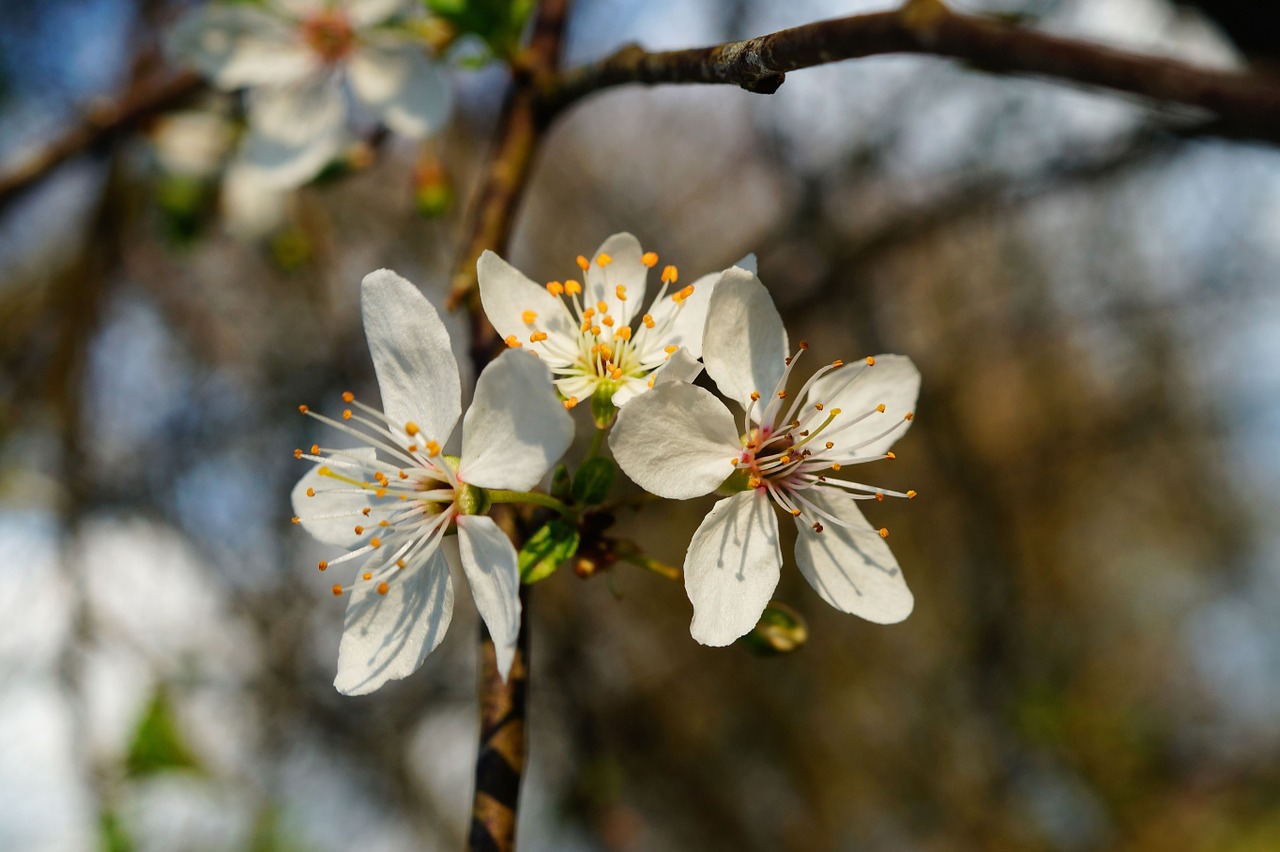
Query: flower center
point(796, 444)
point(329, 34)
point(605, 349)
point(397, 490)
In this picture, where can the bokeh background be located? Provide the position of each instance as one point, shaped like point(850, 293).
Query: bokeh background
point(1094, 659)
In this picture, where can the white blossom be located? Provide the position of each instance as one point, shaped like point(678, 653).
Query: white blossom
point(392, 500)
point(680, 441)
point(294, 56)
point(593, 334)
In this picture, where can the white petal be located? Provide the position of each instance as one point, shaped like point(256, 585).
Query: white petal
point(298, 9)
point(363, 13)
point(852, 569)
point(489, 561)
point(732, 567)
point(676, 441)
point(332, 497)
point(406, 88)
point(417, 373)
point(295, 130)
point(680, 367)
point(251, 206)
point(239, 45)
point(893, 381)
point(625, 270)
point(506, 294)
point(386, 637)
point(745, 345)
point(690, 319)
point(516, 427)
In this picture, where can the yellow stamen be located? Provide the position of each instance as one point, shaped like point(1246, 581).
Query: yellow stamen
point(583, 263)
point(573, 288)
point(537, 337)
point(648, 321)
point(871, 362)
point(911, 495)
point(624, 333)
point(348, 396)
point(555, 288)
point(890, 456)
point(383, 588)
point(302, 409)
point(337, 591)
point(322, 565)
point(604, 259)
point(649, 259)
point(512, 341)
point(346, 414)
point(570, 402)
point(670, 275)
point(621, 293)
point(880, 408)
point(528, 317)
point(884, 533)
point(311, 492)
point(433, 449)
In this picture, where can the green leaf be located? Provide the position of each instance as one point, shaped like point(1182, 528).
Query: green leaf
point(157, 744)
point(594, 479)
point(546, 549)
point(498, 22)
point(111, 834)
point(560, 483)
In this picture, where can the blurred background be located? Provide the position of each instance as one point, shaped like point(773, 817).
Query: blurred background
point(1094, 656)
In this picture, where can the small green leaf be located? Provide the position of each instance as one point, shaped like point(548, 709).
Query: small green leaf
point(546, 549)
point(594, 479)
point(560, 483)
point(111, 834)
point(157, 744)
point(498, 22)
point(780, 630)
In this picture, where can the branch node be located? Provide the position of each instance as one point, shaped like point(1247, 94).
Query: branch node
point(924, 18)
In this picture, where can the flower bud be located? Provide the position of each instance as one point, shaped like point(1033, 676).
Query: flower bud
point(780, 630)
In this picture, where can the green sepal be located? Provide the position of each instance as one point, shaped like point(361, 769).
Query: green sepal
point(546, 550)
point(498, 22)
point(560, 483)
point(592, 483)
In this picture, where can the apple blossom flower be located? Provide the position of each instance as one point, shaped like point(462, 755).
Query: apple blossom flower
point(679, 441)
point(393, 499)
point(294, 55)
point(588, 333)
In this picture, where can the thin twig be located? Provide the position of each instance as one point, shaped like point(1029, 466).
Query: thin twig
point(97, 124)
point(1246, 105)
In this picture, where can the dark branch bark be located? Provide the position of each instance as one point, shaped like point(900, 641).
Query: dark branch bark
point(98, 124)
point(1245, 105)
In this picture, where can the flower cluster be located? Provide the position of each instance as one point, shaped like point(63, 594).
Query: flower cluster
point(297, 58)
point(405, 509)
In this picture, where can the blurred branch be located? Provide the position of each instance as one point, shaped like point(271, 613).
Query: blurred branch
point(1246, 105)
point(519, 134)
point(140, 102)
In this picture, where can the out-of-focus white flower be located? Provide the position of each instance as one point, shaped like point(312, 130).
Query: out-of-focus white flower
point(251, 207)
point(294, 56)
point(393, 499)
point(192, 143)
point(680, 441)
point(584, 331)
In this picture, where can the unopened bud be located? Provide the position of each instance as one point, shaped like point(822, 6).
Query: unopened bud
point(780, 630)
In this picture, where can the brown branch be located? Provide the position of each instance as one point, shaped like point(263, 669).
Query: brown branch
point(500, 761)
point(97, 124)
point(1245, 105)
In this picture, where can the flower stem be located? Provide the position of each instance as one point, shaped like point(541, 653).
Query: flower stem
point(597, 441)
point(503, 744)
point(498, 495)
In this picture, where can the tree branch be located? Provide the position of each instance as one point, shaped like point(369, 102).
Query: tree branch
point(97, 124)
point(1246, 105)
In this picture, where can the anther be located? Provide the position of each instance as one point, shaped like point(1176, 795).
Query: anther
point(648, 321)
point(369, 509)
point(880, 496)
point(337, 591)
point(528, 317)
point(604, 259)
point(583, 263)
point(602, 307)
point(830, 444)
point(414, 449)
point(817, 527)
point(302, 409)
point(384, 523)
point(537, 337)
point(400, 563)
point(512, 341)
point(880, 408)
point(621, 293)
point(804, 344)
point(782, 394)
point(911, 495)
point(753, 482)
point(555, 288)
point(346, 414)
point(359, 530)
point(433, 449)
point(322, 565)
point(755, 396)
point(375, 542)
point(311, 492)
point(910, 415)
point(835, 465)
point(871, 362)
point(315, 449)
point(573, 288)
point(670, 350)
point(890, 455)
point(785, 460)
point(624, 333)
point(295, 520)
point(795, 513)
point(649, 259)
point(595, 329)
point(837, 363)
point(380, 493)
point(570, 402)
point(383, 588)
point(297, 454)
point(818, 405)
point(670, 275)
point(608, 321)
point(367, 575)
point(411, 428)
point(884, 532)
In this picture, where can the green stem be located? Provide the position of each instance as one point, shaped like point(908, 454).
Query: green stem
point(497, 495)
point(597, 441)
